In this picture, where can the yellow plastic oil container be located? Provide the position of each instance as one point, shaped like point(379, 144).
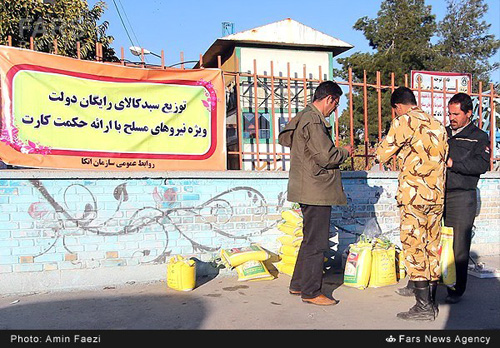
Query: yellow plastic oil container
point(181, 274)
point(447, 258)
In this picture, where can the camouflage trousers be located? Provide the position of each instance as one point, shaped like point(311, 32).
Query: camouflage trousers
point(420, 236)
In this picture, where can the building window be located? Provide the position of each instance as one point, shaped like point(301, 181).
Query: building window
point(249, 126)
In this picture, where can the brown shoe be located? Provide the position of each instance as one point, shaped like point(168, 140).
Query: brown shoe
point(320, 300)
point(294, 292)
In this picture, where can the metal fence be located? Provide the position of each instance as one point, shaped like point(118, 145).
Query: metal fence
point(274, 100)
point(259, 106)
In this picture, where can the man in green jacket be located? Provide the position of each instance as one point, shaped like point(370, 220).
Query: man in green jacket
point(315, 183)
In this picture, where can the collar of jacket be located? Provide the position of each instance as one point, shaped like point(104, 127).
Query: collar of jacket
point(416, 109)
point(463, 133)
point(321, 116)
point(416, 112)
point(411, 110)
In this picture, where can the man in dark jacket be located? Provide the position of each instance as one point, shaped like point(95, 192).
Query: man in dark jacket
point(314, 183)
point(469, 157)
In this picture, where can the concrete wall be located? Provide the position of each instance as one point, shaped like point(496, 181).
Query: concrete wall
point(63, 229)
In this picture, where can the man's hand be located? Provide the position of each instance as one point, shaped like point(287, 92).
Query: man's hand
point(449, 163)
point(349, 149)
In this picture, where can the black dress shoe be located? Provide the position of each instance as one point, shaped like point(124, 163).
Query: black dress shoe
point(452, 299)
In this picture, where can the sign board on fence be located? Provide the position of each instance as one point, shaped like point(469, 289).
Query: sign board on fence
point(433, 90)
point(59, 112)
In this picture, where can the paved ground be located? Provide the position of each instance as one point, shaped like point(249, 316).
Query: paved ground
point(225, 303)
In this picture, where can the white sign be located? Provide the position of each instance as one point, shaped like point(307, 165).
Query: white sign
point(433, 90)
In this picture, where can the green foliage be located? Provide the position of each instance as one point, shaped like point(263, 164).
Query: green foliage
point(465, 44)
point(68, 21)
point(401, 39)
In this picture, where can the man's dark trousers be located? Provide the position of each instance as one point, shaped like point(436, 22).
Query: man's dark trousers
point(459, 213)
point(308, 273)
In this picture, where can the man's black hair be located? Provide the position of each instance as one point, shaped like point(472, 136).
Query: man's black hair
point(403, 95)
point(464, 100)
point(327, 88)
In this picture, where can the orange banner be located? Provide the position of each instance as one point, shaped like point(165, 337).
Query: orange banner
point(59, 112)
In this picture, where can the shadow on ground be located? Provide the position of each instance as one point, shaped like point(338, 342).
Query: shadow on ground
point(111, 310)
point(480, 304)
point(140, 311)
point(478, 309)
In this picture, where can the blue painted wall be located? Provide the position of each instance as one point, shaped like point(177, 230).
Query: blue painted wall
point(68, 224)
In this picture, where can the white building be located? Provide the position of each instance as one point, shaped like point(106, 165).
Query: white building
point(295, 55)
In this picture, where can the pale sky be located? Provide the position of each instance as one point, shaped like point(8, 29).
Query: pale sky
point(191, 27)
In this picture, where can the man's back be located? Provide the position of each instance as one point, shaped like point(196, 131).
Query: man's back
point(420, 142)
point(314, 176)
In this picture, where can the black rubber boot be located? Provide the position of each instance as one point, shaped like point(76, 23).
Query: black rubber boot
point(423, 310)
point(433, 285)
point(408, 290)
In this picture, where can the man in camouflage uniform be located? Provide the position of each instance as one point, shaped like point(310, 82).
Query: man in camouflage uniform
point(420, 143)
